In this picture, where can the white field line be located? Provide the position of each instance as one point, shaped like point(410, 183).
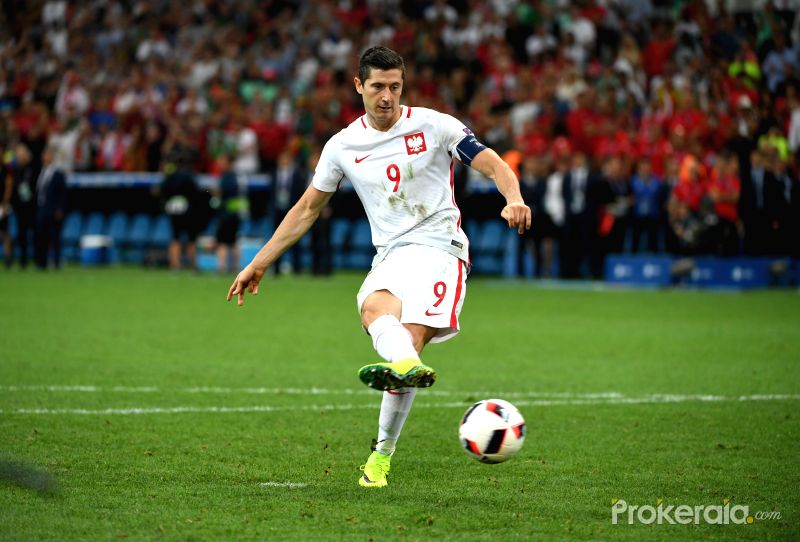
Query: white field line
point(640, 400)
point(293, 391)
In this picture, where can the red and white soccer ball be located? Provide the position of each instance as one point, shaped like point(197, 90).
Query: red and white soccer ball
point(492, 431)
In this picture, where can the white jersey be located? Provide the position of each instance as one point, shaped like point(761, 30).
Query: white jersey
point(404, 178)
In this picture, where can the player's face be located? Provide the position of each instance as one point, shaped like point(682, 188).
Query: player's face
point(381, 93)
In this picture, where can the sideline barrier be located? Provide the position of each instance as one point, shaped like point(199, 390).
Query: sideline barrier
point(701, 272)
point(639, 270)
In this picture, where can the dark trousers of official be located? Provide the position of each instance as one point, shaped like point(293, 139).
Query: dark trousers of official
point(25, 227)
point(575, 246)
point(48, 235)
point(649, 227)
point(321, 250)
point(759, 239)
point(726, 238)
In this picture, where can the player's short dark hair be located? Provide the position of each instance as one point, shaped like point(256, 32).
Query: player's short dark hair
point(381, 58)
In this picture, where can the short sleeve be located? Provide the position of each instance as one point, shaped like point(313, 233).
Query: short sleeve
point(451, 132)
point(328, 173)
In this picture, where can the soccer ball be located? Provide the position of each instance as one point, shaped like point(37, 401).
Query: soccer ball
point(492, 431)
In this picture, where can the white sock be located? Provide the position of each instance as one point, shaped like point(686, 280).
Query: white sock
point(394, 410)
point(391, 340)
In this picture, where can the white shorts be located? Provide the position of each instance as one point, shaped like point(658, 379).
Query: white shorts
point(430, 283)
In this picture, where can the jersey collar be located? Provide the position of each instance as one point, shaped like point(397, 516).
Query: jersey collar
point(405, 112)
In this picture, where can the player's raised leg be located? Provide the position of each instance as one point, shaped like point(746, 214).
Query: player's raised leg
point(380, 315)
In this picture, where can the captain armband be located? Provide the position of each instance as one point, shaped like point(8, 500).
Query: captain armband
point(468, 148)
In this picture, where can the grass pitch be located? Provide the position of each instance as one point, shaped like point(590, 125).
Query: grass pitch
point(163, 413)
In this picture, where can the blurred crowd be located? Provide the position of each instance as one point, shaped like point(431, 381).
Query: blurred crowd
point(635, 125)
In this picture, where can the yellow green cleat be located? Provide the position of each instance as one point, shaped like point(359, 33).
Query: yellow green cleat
point(406, 373)
point(375, 470)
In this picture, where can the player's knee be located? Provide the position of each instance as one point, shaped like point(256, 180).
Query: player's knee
point(378, 304)
point(368, 315)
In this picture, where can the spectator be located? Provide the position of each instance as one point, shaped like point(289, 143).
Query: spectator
point(581, 28)
point(288, 186)
point(6, 190)
point(662, 80)
point(794, 123)
point(272, 138)
point(780, 64)
point(51, 202)
point(686, 228)
point(533, 179)
point(574, 51)
point(753, 206)
point(135, 150)
point(617, 210)
point(745, 67)
point(778, 192)
point(725, 39)
point(192, 102)
point(792, 193)
point(658, 50)
point(82, 147)
point(232, 204)
point(23, 199)
point(335, 50)
point(154, 141)
point(692, 183)
point(111, 149)
point(553, 214)
point(204, 68)
point(580, 225)
point(541, 42)
point(648, 203)
point(321, 249)
point(72, 99)
point(156, 45)
point(179, 193)
point(246, 148)
point(440, 13)
point(774, 138)
point(582, 122)
point(724, 190)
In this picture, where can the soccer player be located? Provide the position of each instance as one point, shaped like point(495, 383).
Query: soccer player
point(399, 160)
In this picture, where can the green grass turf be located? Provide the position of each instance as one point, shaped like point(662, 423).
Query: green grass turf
point(197, 476)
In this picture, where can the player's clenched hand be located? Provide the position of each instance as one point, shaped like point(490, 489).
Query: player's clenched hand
point(247, 279)
point(518, 215)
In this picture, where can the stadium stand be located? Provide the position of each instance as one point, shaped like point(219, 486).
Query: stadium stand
point(95, 224)
point(162, 233)
point(705, 92)
point(340, 229)
point(117, 231)
point(138, 238)
point(71, 235)
point(361, 250)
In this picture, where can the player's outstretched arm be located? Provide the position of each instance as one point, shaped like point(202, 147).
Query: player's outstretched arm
point(516, 213)
point(296, 223)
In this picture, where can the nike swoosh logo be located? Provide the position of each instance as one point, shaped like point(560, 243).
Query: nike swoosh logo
point(429, 313)
point(359, 160)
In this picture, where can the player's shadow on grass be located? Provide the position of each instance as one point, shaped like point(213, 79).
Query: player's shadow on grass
point(28, 476)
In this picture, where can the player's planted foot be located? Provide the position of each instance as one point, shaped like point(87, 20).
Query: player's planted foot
point(375, 470)
point(406, 373)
